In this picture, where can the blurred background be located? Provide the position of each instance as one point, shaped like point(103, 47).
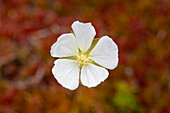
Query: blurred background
point(140, 83)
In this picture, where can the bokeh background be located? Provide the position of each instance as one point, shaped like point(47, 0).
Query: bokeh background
point(140, 83)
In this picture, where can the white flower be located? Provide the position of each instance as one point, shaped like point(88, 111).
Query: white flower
point(78, 60)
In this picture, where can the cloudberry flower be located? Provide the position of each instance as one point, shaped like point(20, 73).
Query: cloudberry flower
point(80, 59)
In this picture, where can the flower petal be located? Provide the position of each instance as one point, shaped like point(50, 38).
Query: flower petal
point(93, 75)
point(67, 73)
point(84, 33)
point(65, 46)
point(105, 53)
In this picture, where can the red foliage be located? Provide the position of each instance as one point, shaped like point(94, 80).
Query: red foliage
point(139, 84)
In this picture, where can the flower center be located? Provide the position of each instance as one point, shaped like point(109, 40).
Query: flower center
point(82, 59)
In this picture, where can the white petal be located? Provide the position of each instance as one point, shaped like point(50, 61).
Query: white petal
point(105, 53)
point(93, 75)
point(65, 46)
point(84, 33)
point(67, 73)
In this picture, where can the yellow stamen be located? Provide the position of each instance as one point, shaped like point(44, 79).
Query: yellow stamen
point(82, 58)
point(86, 64)
point(77, 61)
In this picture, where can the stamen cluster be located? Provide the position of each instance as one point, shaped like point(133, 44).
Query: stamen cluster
point(82, 59)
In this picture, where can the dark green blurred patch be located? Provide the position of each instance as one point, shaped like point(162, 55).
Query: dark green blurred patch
point(125, 99)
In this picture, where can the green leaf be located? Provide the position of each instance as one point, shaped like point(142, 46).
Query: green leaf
point(73, 33)
point(95, 40)
point(70, 58)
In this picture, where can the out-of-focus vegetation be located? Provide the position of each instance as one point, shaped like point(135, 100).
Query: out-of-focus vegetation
point(140, 83)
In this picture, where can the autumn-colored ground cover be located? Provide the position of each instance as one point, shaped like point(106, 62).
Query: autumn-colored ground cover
point(140, 83)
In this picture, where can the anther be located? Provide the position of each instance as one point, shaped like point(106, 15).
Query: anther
point(81, 63)
point(86, 64)
point(77, 61)
point(82, 58)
